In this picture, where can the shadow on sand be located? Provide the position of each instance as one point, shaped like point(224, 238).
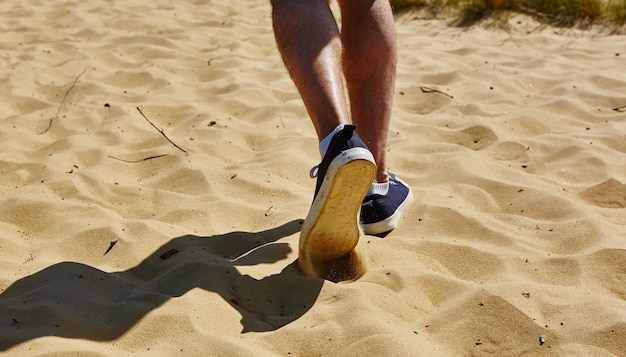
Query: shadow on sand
point(75, 300)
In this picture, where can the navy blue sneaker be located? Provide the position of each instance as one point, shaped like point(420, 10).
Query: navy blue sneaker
point(380, 213)
point(331, 229)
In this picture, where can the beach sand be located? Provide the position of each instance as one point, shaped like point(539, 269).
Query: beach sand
point(115, 241)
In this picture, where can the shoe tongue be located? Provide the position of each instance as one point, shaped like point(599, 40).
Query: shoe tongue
point(340, 142)
point(325, 143)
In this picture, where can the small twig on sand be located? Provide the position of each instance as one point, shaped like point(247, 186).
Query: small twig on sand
point(160, 131)
point(70, 89)
point(620, 109)
point(168, 254)
point(111, 245)
point(431, 90)
point(136, 161)
point(67, 92)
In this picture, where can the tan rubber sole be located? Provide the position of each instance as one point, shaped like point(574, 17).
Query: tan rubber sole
point(331, 232)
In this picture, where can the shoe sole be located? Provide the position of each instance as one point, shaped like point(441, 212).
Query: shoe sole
point(331, 229)
point(391, 222)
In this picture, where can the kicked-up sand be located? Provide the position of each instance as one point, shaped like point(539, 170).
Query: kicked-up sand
point(115, 241)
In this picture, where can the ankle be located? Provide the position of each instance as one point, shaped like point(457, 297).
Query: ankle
point(382, 177)
point(378, 189)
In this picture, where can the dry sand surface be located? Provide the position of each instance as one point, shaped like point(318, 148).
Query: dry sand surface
point(115, 242)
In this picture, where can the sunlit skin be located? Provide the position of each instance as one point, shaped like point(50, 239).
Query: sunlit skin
point(319, 57)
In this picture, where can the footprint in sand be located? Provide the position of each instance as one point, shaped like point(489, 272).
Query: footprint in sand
point(608, 194)
point(510, 151)
point(607, 269)
point(475, 137)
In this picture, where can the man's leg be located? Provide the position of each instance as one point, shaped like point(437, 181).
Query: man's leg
point(369, 58)
point(310, 44)
point(308, 39)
